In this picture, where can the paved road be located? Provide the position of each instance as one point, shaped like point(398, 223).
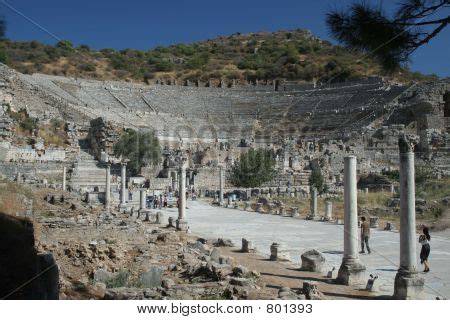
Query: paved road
point(300, 235)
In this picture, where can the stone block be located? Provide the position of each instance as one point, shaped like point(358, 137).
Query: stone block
point(313, 261)
point(152, 277)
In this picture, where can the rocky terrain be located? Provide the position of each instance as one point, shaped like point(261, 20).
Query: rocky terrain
point(111, 255)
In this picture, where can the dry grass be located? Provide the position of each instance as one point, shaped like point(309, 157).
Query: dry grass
point(374, 199)
point(11, 204)
point(12, 197)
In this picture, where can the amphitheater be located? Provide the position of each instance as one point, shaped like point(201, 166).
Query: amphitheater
point(305, 125)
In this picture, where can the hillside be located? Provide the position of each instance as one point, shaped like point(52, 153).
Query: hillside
point(291, 55)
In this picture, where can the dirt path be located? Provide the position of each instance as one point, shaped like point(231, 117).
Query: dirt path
point(282, 274)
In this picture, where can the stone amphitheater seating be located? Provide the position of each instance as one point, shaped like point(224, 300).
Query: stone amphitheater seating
point(172, 110)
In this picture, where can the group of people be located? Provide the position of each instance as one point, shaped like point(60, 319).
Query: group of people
point(160, 201)
point(424, 240)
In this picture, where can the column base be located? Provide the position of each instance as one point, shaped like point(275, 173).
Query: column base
point(182, 225)
point(351, 272)
point(408, 286)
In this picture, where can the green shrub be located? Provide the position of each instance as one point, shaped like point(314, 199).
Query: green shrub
point(198, 60)
point(4, 57)
point(29, 124)
point(164, 65)
point(120, 279)
point(89, 67)
point(391, 174)
point(64, 44)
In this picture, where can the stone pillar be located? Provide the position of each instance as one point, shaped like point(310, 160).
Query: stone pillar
point(313, 204)
point(247, 246)
point(64, 179)
point(181, 221)
point(221, 183)
point(328, 210)
point(19, 178)
point(392, 188)
point(352, 270)
point(174, 183)
point(123, 193)
point(408, 285)
point(278, 252)
point(108, 186)
point(177, 182)
point(366, 190)
point(142, 199)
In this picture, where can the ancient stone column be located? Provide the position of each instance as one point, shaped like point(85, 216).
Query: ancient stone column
point(408, 285)
point(64, 179)
point(313, 204)
point(247, 246)
point(124, 193)
point(181, 221)
point(19, 178)
point(174, 183)
point(352, 270)
point(142, 199)
point(221, 183)
point(328, 210)
point(392, 188)
point(108, 186)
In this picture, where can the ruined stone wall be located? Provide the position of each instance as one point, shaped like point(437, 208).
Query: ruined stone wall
point(33, 171)
point(101, 136)
point(207, 178)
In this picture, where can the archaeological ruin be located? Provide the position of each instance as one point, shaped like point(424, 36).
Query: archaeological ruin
point(352, 132)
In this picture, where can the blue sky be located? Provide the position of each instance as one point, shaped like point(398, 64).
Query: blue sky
point(146, 24)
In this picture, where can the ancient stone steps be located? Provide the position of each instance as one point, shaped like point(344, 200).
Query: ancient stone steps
point(87, 172)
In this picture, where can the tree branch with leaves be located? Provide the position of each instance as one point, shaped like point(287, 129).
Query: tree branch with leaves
point(390, 39)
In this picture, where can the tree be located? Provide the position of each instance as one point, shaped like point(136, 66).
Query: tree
point(316, 180)
point(390, 39)
point(254, 168)
point(140, 148)
point(2, 27)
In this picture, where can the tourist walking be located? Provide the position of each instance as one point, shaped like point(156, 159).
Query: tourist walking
point(424, 240)
point(365, 234)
